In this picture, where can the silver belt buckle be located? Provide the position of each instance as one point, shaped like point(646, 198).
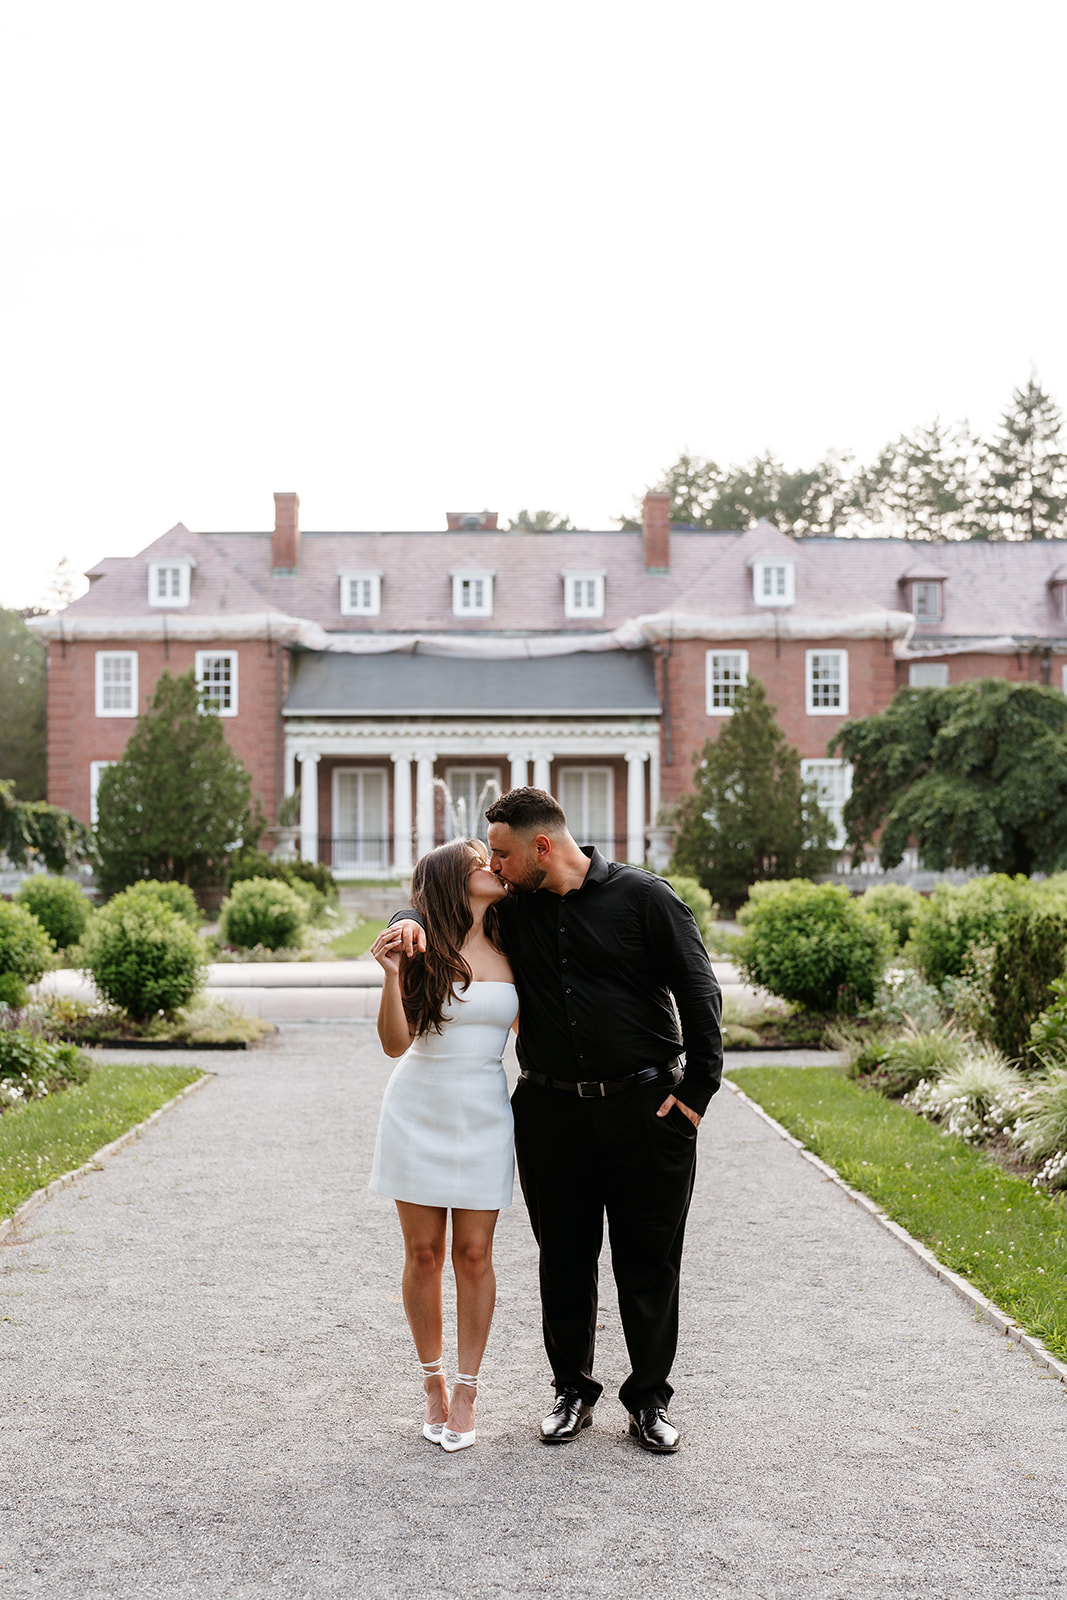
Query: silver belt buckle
point(590, 1090)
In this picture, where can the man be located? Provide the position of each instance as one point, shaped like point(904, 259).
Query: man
point(606, 1116)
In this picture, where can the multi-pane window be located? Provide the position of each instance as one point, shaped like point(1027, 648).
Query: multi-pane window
point(926, 601)
point(832, 782)
point(827, 682)
point(96, 768)
point(216, 678)
point(361, 594)
point(360, 820)
point(928, 674)
point(773, 583)
point(168, 583)
point(583, 594)
point(587, 795)
point(726, 671)
point(472, 594)
point(116, 683)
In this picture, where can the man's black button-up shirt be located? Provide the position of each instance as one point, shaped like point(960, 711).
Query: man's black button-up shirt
point(596, 969)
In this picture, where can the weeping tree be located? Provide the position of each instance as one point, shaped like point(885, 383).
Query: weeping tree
point(750, 816)
point(32, 830)
point(974, 776)
point(179, 802)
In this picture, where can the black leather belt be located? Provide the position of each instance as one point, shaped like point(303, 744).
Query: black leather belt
point(671, 1076)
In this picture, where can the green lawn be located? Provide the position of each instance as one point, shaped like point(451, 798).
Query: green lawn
point(1008, 1238)
point(42, 1140)
point(357, 941)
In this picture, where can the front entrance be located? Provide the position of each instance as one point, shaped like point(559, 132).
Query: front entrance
point(360, 841)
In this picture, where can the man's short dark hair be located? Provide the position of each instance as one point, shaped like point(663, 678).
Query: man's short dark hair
point(528, 811)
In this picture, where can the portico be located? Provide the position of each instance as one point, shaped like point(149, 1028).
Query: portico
point(370, 774)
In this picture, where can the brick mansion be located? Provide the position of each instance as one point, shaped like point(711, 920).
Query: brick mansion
point(361, 667)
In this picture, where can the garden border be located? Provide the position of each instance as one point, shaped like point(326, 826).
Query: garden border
point(11, 1224)
point(984, 1308)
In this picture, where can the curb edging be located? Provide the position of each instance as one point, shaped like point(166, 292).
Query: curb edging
point(984, 1308)
point(12, 1224)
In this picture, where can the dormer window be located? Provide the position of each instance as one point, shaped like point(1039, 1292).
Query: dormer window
point(168, 582)
point(472, 593)
point(583, 594)
point(361, 594)
point(1058, 589)
point(926, 601)
point(773, 583)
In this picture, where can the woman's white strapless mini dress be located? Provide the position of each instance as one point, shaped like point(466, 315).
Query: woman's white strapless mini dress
point(446, 1133)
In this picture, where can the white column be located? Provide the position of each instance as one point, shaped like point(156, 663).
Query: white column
point(401, 813)
point(542, 773)
point(424, 803)
point(309, 805)
point(653, 786)
point(635, 807)
point(519, 769)
point(289, 779)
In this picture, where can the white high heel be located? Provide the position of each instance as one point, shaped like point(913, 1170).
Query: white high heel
point(450, 1439)
point(433, 1369)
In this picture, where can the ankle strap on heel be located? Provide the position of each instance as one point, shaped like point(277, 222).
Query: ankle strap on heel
point(468, 1379)
point(433, 1369)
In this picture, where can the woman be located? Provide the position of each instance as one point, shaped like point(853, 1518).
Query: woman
point(445, 1137)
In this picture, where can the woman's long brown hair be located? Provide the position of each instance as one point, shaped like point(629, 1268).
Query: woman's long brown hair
point(439, 891)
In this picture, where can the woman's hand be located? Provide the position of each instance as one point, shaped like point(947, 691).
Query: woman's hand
point(387, 950)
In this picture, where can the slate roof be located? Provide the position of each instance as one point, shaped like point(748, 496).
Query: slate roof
point(615, 683)
point(991, 589)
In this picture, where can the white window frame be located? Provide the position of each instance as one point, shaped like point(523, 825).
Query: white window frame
point(783, 594)
point(583, 594)
point(95, 770)
point(811, 771)
point(1063, 678)
point(481, 601)
point(181, 565)
point(928, 675)
point(115, 655)
point(358, 862)
point(711, 682)
point(928, 587)
point(605, 843)
point(202, 659)
point(368, 603)
point(813, 710)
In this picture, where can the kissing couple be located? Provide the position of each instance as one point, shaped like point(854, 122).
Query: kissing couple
point(582, 957)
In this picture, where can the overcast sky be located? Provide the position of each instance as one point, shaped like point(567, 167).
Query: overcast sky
point(411, 257)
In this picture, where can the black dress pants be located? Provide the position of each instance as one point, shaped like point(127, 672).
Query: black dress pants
point(578, 1160)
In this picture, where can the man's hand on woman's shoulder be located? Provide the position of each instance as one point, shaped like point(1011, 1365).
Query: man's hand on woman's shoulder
point(412, 935)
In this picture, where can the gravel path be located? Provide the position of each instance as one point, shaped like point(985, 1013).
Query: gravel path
point(209, 1390)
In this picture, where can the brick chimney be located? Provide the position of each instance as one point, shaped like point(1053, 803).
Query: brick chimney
point(656, 523)
point(285, 551)
point(472, 521)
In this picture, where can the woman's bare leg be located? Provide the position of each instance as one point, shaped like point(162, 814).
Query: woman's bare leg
point(423, 1228)
point(472, 1261)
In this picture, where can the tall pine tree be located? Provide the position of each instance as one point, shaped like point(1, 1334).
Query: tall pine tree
point(750, 817)
point(1023, 489)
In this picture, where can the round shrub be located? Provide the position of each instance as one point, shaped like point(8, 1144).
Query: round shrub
point(262, 911)
point(958, 916)
point(812, 944)
point(142, 956)
point(25, 951)
point(699, 902)
point(59, 906)
point(896, 905)
point(177, 897)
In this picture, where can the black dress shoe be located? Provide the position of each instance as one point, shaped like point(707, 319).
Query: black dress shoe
point(568, 1417)
point(654, 1430)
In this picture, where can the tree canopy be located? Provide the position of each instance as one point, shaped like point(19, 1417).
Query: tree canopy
point(974, 775)
point(540, 522)
point(179, 802)
point(22, 698)
point(32, 828)
point(936, 482)
point(750, 816)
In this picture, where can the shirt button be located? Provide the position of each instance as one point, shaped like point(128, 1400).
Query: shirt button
point(574, 1024)
point(566, 991)
point(563, 960)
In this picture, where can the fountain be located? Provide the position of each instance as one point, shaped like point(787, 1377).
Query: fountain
point(457, 820)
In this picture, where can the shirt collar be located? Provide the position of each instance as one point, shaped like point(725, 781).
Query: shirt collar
point(598, 870)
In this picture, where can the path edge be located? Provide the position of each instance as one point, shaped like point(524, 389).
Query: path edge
point(38, 1198)
point(984, 1309)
